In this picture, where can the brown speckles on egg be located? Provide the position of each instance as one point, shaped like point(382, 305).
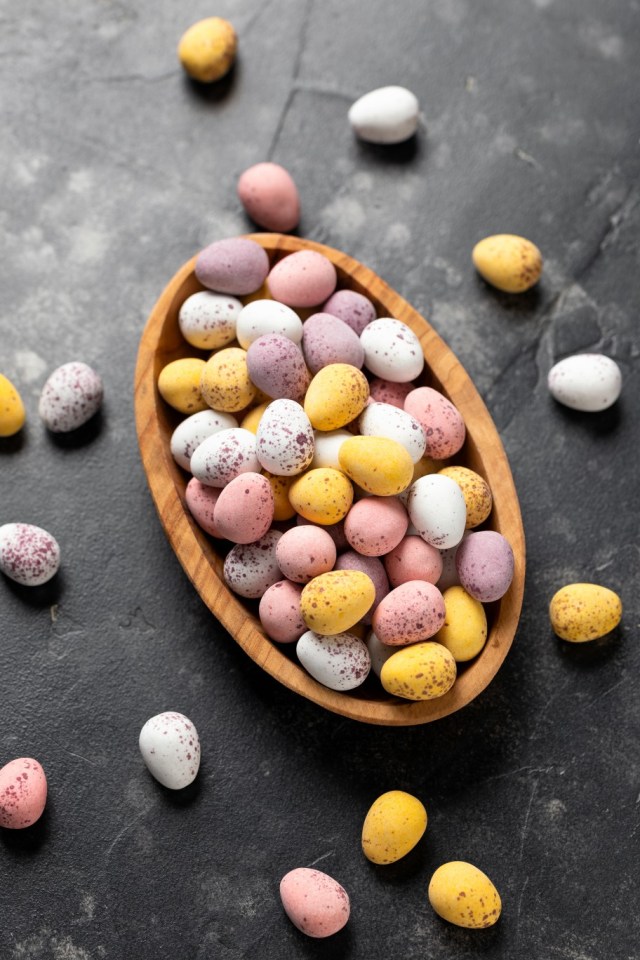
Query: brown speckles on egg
point(285, 441)
point(340, 661)
point(250, 569)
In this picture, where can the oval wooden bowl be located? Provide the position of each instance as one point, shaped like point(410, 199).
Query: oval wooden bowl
point(483, 452)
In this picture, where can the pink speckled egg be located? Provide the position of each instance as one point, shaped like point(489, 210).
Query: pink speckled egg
point(437, 510)
point(244, 510)
point(23, 793)
point(71, 396)
point(413, 559)
point(314, 902)
point(224, 455)
point(340, 661)
point(28, 554)
point(236, 265)
point(375, 525)
point(201, 501)
point(170, 748)
point(442, 421)
point(269, 195)
point(190, 433)
point(302, 279)
point(335, 531)
point(412, 612)
point(484, 561)
point(327, 339)
point(385, 391)
point(250, 569)
point(284, 439)
point(305, 552)
point(373, 567)
point(351, 307)
point(276, 366)
point(279, 612)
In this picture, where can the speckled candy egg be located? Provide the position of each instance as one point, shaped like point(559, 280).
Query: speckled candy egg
point(385, 420)
point(201, 501)
point(279, 612)
point(208, 320)
point(584, 611)
point(244, 510)
point(236, 265)
point(385, 391)
point(269, 195)
point(194, 430)
point(72, 395)
point(327, 447)
point(322, 496)
point(23, 793)
point(12, 413)
point(335, 531)
point(336, 395)
point(276, 366)
point(392, 351)
point(462, 894)
point(179, 385)
point(250, 569)
point(464, 631)
point(327, 339)
point(305, 552)
point(385, 115)
point(476, 493)
point(340, 661)
point(413, 559)
point(284, 439)
point(335, 601)
point(352, 308)
point(442, 422)
point(586, 381)
point(421, 671)
point(372, 566)
point(225, 455)
point(224, 381)
point(251, 419)
point(508, 262)
point(379, 465)
point(28, 554)
point(412, 612)
point(170, 748)
point(261, 317)
point(438, 511)
point(314, 902)
point(207, 50)
point(280, 486)
point(305, 278)
point(393, 826)
point(375, 525)
point(485, 565)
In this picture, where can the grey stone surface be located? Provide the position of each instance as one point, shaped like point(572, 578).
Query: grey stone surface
point(115, 169)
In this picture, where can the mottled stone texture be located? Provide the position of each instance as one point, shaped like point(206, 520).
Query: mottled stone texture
point(115, 169)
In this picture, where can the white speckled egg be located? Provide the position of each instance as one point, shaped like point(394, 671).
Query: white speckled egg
point(170, 748)
point(327, 446)
point(71, 396)
point(208, 320)
point(267, 316)
point(340, 662)
point(191, 432)
point(585, 381)
point(392, 351)
point(28, 554)
point(385, 115)
point(386, 420)
point(438, 510)
point(225, 455)
point(250, 569)
point(284, 439)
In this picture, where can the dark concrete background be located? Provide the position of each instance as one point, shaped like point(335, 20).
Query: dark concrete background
point(115, 169)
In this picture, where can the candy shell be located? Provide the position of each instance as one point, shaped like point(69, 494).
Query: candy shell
point(476, 493)
point(335, 531)
point(392, 351)
point(267, 316)
point(393, 826)
point(327, 447)
point(484, 562)
point(236, 265)
point(314, 902)
point(250, 569)
point(375, 525)
point(438, 511)
point(302, 279)
point(340, 661)
point(413, 559)
point(352, 308)
point(284, 439)
point(280, 487)
point(12, 413)
point(335, 601)
point(244, 510)
point(276, 366)
point(224, 381)
point(379, 465)
point(412, 612)
point(584, 611)
point(322, 496)
point(208, 320)
point(372, 566)
point(191, 432)
point(170, 748)
point(508, 262)
point(28, 554)
point(464, 631)
point(305, 552)
point(385, 115)
point(465, 896)
point(442, 422)
point(207, 49)
point(72, 395)
point(224, 455)
point(385, 391)
point(326, 339)
point(336, 395)
point(269, 195)
point(421, 671)
point(201, 500)
point(586, 381)
point(386, 420)
point(379, 652)
point(23, 793)
point(279, 612)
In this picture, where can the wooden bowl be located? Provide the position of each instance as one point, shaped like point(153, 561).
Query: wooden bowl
point(202, 556)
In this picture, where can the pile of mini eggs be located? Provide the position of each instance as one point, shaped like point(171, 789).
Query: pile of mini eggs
point(317, 456)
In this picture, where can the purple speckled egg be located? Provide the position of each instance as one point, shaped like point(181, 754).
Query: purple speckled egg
point(224, 455)
point(340, 662)
point(191, 432)
point(351, 307)
point(413, 559)
point(302, 279)
point(71, 396)
point(237, 266)
point(276, 366)
point(201, 501)
point(373, 567)
point(170, 748)
point(251, 568)
point(484, 561)
point(385, 391)
point(244, 510)
point(412, 612)
point(305, 552)
point(280, 614)
point(335, 531)
point(326, 339)
point(284, 439)
point(375, 525)
point(28, 554)
point(441, 420)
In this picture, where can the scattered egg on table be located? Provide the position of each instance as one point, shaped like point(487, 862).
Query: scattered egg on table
point(23, 793)
point(224, 455)
point(322, 495)
point(412, 612)
point(413, 559)
point(275, 365)
point(12, 412)
point(305, 552)
point(29, 555)
point(284, 438)
point(584, 611)
point(170, 748)
point(336, 395)
point(244, 509)
point(393, 826)
point(381, 466)
point(279, 612)
point(208, 320)
point(191, 432)
point(71, 396)
point(250, 569)
point(373, 567)
point(207, 50)
point(385, 115)
point(236, 265)
point(179, 385)
point(464, 631)
point(420, 671)
point(333, 602)
point(392, 350)
point(314, 902)
point(375, 525)
point(438, 510)
point(269, 195)
point(302, 279)
point(485, 564)
point(327, 339)
point(386, 420)
point(476, 493)
point(339, 661)
point(201, 501)
point(462, 894)
point(585, 381)
point(267, 316)
point(510, 263)
point(225, 384)
point(352, 307)
point(443, 424)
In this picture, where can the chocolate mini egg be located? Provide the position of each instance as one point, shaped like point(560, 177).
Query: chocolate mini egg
point(584, 611)
point(340, 661)
point(351, 307)
point(412, 612)
point(377, 464)
point(23, 793)
point(385, 115)
point(393, 826)
point(386, 420)
point(250, 569)
point(375, 525)
point(28, 554)
point(327, 339)
point(208, 320)
point(438, 511)
point(244, 510)
point(73, 394)
point(373, 567)
point(484, 562)
point(462, 894)
point(413, 559)
point(12, 413)
point(170, 748)
point(267, 316)
point(224, 381)
point(586, 381)
point(305, 278)
point(335, 601)
point(322, 495)
point(464, 631)
point(276, 366)
point(207, 49)
point(314, 902)
point(191, 432)
point(421, 671)
point(280, 614)
point(327, 448)
point(284, 439)
point(305, 552)
point(336, 395)
point(236, 265)
point(508, 262)
point(224, 455)
point(442, 422)
point(201, 501)
point(476, 493)
point(269, 195)
point(392, 351)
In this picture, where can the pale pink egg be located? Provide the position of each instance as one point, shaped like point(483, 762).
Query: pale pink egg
point(314, 902)
point(413, 559)
point(385, 391)
point(302, 279)
point(244, 509)
point(375, 525)
point(269, 195)
point(23, 793)
point(441, 420)
point(305, 552)
point(279, 612)
point(201, 501)
point(412, 612)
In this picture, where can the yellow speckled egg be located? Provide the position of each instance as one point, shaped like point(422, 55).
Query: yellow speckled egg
point(334, 601)
point(584, 611)
point(12, 415)
point(336, 395)
point(464, 895)
point(207, 49)
point(225, 382)
point(280, 486)
point(464, 632)
point(393, 826)
point(476, 493)
point(421, 671)
point(251, 420)
point(379, 465)
point(508, 262)
point(322, 495)
point(179, 385)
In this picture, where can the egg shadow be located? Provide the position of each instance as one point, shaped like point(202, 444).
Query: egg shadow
point(44, 595)
point(401, 871)
point(519, 306)
point(338, 946)
point(183, 797)
point(14, 444)
point(29, 840)
point(591, 653)
point(218, 90)
point(82, 436)
point(600, 423)
point(391, 154)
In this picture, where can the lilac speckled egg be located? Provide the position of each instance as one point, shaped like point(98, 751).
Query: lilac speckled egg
point(280, 614)
point(201, 501)
point(412, 612)
point(276, 366)
point(437, 510)
point(413, 559)
point(23, 793)
point(72, 395)
point(385, 391)
point(485, 565)
point(302, 279)
point(304, 552)
point(326, 339)
point(375, 525)
point(372, 566)
point(224, 455)
point(191, 432)
point(269, 195)
point(392, 351)
point(260, 317)
point(170, 748)
point(28, 554)
point(441, 420)
point(236, 265)
point(340, 661)
point(352, 307)
point(208, 320)
point(335, 531)
point(244, 510)
point(314, 902)
point(251, 568)
point(385, 420)
point(284, 439)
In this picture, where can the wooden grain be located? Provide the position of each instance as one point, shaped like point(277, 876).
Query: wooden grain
point(483, 452)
